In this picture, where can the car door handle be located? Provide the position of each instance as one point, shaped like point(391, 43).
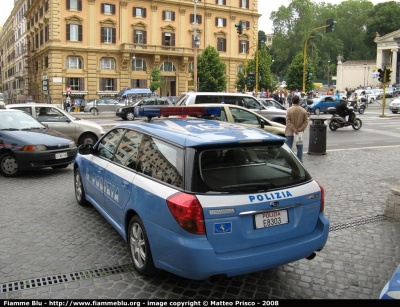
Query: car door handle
point(100, 170)
point(125, 184)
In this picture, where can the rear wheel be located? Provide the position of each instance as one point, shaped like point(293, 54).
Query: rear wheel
point(140, 247)
point(130, 116)
point(87, 138)
point(333, 125)
point(357, 124)
point(361, 110)
point(94, 111)
point(9, 166)
point(394, 112)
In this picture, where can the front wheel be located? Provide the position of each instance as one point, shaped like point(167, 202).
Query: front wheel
point(130, 116)
point(394, 112)
point(361, 110)
point(140, 247)
point(333, 125)
point(9, 166)
point(94, 111)
point(88, 138)
point(79, 190)
point(357, 124)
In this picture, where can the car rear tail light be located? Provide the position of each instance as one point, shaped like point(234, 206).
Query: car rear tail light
point(187, 211)
point(322, 203)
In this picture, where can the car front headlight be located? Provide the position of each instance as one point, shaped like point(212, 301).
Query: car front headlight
point(33, 148)
point(72, 144)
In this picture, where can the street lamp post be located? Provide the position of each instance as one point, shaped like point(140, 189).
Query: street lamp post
point(329, 81)
point(196, 45)
point(365, 70)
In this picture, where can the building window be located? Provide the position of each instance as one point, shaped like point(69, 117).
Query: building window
point(46, 62)
point(221, 44)
point(46, 6)
point(107, 8)
point(74, 33)
point(198, 18)
point(108, 84)
point(108, 35)
point(36, 41)
point(168, 39)
point(107, 64)
point(41, 37)
point(139, 12)
point(46, 33)
point(191, 67)
point(240, 69)
point(74, 5)
point(244, 4)
point(76, 84)
point(168, 66)
point(138, 65)
point(220, 2)
point(168, 15)
point(140, 37)
point(220, 22)
point(245, 24)
point(243, 46)
point(73, 62)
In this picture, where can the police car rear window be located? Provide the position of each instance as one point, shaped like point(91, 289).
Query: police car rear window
point(248, 169)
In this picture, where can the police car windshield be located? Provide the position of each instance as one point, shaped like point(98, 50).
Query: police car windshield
point(250, 168)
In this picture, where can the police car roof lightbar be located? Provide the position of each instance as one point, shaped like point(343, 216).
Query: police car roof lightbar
point(153, 111)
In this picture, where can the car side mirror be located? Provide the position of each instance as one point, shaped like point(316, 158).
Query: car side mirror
point(262, 124)
point(85, 149)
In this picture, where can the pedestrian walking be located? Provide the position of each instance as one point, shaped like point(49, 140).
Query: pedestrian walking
point(77, 105)
point(296, 123)
point(290, 98)
point(68, 104)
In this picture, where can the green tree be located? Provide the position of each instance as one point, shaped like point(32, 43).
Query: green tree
point(264, 68)
point(294, 76)
point(156, 82)
point(239, 83)
point(383, 20)
point(211, 71)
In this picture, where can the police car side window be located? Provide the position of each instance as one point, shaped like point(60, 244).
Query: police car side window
point(161, 161)
point(128, 149)
point(251, 103)
point(109, 143)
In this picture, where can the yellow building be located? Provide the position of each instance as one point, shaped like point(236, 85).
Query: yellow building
point(92, 47)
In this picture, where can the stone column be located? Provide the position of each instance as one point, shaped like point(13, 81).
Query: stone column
point(394, 66)
point(339, 74)
point(379, 54)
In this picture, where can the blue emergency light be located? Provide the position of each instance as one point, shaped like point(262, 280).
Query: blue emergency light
point(155, 111)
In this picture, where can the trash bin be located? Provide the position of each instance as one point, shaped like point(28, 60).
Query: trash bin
point(317, 140)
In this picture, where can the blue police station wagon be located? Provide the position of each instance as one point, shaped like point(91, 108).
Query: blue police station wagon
point(201, 197)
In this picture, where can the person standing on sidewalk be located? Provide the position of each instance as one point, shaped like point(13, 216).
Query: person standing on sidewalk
point(296, 123)
point(77, 105)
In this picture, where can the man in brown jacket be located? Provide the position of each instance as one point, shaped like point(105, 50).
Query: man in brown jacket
point(296, 121)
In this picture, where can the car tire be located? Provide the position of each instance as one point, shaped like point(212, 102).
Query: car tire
point(60, 166)
point(9, 166)
point(371, 100)
point(94, 111)
point(87, 138)
point(140, 248)
point(130, 116)
point(79, 189)
point(394, 112)
point(317, 111)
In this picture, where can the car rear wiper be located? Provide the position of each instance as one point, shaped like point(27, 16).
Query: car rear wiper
point(259, 186)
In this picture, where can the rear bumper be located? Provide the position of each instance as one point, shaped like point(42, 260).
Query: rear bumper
point(193, 257)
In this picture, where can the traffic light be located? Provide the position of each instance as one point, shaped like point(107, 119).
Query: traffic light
point(239, 27)
point(261, 43)
point(246, 80)
point(331, 25)
point(308, 77)
point(381, 73)
point(252, 78)
point(388, 72)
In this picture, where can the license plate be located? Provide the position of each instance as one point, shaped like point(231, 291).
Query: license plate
point(61, 155)
point(270, 219)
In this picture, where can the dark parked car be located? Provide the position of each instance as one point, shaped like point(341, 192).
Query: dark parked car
point(127, 113)
point(28, 145)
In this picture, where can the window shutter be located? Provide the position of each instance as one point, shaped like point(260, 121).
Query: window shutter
point(247, 46)
point(114, 35)
point(68, 33)
point(134, 11)
point(216, 21)
point(102, 8)
point(172, 39)
point(200, 19)
point(113, 9)
point(224, 2)
point(162, 39)
point(115, 84)
point(173, 16)
point(216, 1)
point(144, 12)
point(191, 18)
point(134, 36)
point(163, 15)
point(247, 4)
point(80, 33)
point(224, 22)
point(67, 82)
point(79, 5)
point(81, 84)
point(68, 4)
point(101, 84)
point(102, 34)
point(247, 24)
point(240, 45)
point(192, 41)
point(145, 37)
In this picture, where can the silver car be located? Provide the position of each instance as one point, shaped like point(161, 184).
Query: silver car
point(102, 105)
point(81, 131)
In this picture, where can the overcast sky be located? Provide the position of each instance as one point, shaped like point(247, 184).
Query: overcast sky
point(265, 7)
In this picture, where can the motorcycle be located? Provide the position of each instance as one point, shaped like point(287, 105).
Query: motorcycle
point(360, 108)
point(337, 121)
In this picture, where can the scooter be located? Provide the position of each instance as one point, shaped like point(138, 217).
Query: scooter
point(360, 108)
point(337, 121)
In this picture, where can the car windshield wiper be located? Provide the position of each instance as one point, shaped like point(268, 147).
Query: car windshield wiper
point(10, 129)
point(30, 128)
point(259, 186)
